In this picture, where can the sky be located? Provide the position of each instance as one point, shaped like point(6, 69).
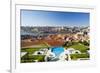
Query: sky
point(53, 18)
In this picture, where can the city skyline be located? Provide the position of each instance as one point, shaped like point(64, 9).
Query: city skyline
point(53, 18)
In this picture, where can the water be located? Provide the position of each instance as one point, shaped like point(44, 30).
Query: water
point(57, 50)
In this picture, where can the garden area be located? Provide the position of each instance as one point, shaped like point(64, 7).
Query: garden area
point(82, 47)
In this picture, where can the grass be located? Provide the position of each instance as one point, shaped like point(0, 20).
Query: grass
point(30, 50)
point(28, 58)
point(35, 48)
point(76, 56)
point(79, 47)
point(40, 58)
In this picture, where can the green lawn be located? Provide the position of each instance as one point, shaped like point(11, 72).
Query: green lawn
point(82, 48)
point(79, 47)
point(30, 50)
point(34, 48)
point(28, 58)
point(76, 56)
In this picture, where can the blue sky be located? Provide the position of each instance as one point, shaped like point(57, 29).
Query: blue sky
point(53, 18)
